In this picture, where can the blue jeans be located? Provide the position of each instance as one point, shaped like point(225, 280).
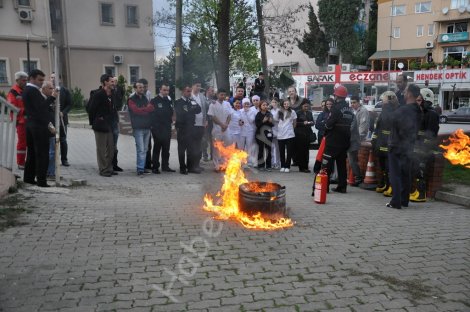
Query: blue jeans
point(142, 137)
point(51, 166)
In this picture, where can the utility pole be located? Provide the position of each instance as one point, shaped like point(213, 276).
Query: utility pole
point(389, 87)
point(262, 43)
point(179, 47)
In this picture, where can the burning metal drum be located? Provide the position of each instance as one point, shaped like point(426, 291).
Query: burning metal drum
point(266, 198)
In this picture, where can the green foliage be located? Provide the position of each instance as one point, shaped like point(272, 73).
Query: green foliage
point(78, 100)
point(244, 57)
point(314, 43)
point(415, 65)
point(338, 18)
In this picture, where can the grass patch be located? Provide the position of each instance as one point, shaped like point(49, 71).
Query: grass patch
point(11, 207)
point(455, 174)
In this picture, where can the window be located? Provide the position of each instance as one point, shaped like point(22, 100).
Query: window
point(396, 32)
point(454, 52)
point(134, 74)
point(110, 70)
point(398, 10)
point(456, 28)
point(4, 71)
point(420, 31)
point(107, 14)
point(423, 7)
point(430, 29)
point(132, 18)
point(455, 4)
point(24, 3)
point(34, 64)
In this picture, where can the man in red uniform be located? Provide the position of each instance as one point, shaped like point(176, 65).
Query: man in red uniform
point(14, 97)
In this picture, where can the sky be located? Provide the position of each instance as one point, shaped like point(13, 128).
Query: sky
point(164, 41)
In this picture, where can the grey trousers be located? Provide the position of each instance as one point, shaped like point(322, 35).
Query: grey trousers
point(104, 151)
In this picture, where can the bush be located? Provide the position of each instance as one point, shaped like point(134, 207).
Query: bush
point(78, 100)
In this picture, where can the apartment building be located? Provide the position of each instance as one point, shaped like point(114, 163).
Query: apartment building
point(420, 31)
point(91, 37)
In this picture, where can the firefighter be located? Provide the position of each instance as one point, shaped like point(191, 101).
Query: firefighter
point(338, 137)
point(380, 138)
point(426, 143)
point(15, 98)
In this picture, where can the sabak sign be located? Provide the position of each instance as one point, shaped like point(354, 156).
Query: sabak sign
point(368, 77)
point(443, 75)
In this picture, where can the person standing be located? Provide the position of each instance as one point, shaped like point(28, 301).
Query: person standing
point(405, 124)
point(286, 119)
point(207, 147)
point(275, 156)
point(162, 118)
point(338, 137)
point(294, 100)
point(322, 118)
point(260, 85)
point(140, 111)
point(303, 132)
point(234, 127)
point(248, 130)
point(239, 95)
point(264, 135)
point(115, 127)
point(38, 129)
point(362, 121)
point(102, 113)
point(200, 125)
point(402, 81)
point(186, 110)
point(65, 107)
point(14, 96)
point(242, 84)
point(220, 112)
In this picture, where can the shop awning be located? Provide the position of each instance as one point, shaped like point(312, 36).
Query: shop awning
point(459, 86)
point(399, 54)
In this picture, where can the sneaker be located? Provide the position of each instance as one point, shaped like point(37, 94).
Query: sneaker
point(140, 173)
point(283, 170)
point(286, 170)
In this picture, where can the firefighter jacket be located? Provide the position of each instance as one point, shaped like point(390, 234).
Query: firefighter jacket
point(383, 126)
point(15, 98)
point(338, 126)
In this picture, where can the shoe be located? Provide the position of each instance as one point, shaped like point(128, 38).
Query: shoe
point(388, 192)
point(357, 183)
point(147, 171)
point(20, 167)
point(195, 170)
point(268, 169)
point(140, 173)
point(65, 163)
point(114, 173)
point(50, 178)
point(381, 188)
point(339, 190)
point(286, 170)
point(305, 170)
point(29, 182)
point(184, 171)
point(106, 175)
point(283, 170)
point(117, 168)
point(390, 205)
point(168, 170)
point(155, 171)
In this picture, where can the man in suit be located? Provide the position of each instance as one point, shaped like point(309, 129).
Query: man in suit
point(38, 117)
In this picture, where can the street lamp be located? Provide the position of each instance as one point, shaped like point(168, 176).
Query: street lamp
point(390, 46)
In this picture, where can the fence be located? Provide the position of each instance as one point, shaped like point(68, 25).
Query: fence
point(7, 134)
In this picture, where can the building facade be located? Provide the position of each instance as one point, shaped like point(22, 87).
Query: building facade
point(91, 37)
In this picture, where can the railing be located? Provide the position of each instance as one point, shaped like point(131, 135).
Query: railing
point(7, 133)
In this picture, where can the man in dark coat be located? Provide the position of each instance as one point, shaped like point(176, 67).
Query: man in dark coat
point(38, 131)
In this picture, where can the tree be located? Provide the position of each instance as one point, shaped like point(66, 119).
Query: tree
point(314, 42)
point(338, 18)
point(223, 44)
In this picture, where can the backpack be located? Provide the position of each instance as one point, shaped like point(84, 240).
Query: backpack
point(88, 105)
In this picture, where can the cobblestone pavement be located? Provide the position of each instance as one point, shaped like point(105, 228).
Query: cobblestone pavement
point(144, 244)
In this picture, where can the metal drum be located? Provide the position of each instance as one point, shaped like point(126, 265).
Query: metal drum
point(266, 198)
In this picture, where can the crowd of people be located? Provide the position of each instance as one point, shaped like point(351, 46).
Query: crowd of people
point(276, 134)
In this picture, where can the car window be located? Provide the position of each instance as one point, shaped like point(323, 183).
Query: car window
point(460, 111)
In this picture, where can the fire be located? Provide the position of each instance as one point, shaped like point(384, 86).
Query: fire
point(226, 206)
point(458, 151)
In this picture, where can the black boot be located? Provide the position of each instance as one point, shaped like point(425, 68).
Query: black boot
point(115, 162)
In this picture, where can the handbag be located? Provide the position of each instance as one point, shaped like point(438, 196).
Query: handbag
point(100, 125)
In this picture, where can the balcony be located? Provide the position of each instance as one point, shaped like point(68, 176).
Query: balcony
point(453, 37)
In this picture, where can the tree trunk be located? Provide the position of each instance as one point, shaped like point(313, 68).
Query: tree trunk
point(179, 48)
point(262, 43)
point(223, 19)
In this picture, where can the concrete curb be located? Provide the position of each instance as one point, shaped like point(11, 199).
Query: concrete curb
point(453, 198)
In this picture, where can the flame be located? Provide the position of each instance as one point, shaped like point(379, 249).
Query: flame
point(226, 206)
point(458, 151)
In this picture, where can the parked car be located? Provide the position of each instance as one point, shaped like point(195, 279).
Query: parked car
point(462, 114)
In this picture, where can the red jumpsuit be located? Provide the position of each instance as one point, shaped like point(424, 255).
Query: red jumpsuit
point(14, 97)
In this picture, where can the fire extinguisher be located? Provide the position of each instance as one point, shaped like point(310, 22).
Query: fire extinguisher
point(321, 185)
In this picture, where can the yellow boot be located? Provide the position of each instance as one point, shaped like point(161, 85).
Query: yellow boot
point(388, 192)
point(381, 188)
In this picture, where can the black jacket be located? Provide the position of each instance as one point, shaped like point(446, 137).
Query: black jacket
point(102, 111)
point(65, 103)
point(338, 126)
point(162, 116)
point(300, 127)
point(260, 85)
point(320, 123)
point(186, 111)
point(406, 120)
point(37, 108)
point(259, 121)
point(381, 134)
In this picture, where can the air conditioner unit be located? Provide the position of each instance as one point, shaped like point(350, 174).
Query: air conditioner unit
point(429, 44)
point(25, 15)
point(118, 58)
point(331, 68)
point(346, 67)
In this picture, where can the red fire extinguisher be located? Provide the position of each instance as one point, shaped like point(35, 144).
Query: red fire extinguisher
point(321, 185)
